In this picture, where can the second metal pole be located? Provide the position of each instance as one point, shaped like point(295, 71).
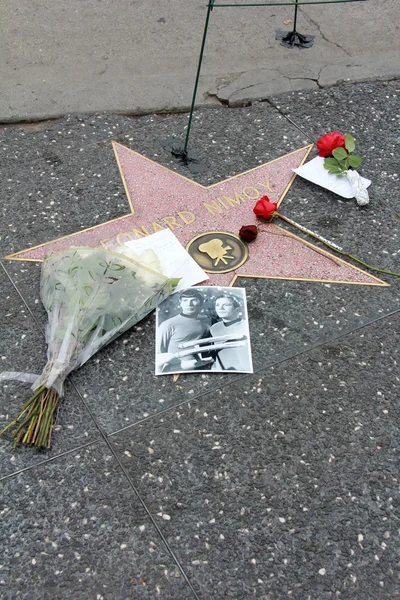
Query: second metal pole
point(209, 9)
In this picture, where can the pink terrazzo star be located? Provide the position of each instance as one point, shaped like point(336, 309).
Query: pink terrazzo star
point(160, 198)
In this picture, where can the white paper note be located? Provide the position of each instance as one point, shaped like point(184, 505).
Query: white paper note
point(315, 172)
point(174, 260)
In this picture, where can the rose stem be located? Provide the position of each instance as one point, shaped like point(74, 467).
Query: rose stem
point(341, 251)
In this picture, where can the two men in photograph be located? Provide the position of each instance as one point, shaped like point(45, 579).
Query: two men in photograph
point(209, 333)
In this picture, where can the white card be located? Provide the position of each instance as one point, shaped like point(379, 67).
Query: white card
point(315, 172)
point(174, 260)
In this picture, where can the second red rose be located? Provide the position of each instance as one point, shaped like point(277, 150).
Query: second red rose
point(248, 233)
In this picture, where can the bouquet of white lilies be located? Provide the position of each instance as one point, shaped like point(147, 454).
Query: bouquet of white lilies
point(91, 296)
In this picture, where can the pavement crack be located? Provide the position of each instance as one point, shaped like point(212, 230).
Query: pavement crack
point(319, 77)
point(298, 78)
point(315, 24)
point(211, 96)
point(248, 87)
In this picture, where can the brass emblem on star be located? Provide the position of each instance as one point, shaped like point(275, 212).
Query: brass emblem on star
point(218, 251)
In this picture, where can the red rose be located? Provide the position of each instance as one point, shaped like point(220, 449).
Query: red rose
point(328, 142)
point(265, 208)
point(248, 233)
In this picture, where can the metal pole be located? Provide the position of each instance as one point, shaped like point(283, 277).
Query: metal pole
point(209, 9)
point(295, 16)
point(210, 6)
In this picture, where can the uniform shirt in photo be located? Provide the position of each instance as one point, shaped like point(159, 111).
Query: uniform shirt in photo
point(181, 329)
point(237, 359)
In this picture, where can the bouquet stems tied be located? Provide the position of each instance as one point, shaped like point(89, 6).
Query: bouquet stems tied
point(34, 425)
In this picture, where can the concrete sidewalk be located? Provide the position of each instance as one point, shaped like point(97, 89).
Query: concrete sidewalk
point(141, 56)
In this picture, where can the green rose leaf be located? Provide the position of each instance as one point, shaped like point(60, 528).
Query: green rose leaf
point(335, 170)
point(340, 153)
point(330, 162)
point(355, 161)
point(349, 142)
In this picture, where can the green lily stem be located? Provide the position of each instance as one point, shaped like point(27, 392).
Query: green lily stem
point(44, 437)
point(31, 438)
point(15, 422)
point(334, 247)
point(34, 425)
point(35, 419)
point(33, 397)
point(31, 412)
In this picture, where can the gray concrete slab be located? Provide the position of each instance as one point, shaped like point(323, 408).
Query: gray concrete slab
point(140, 56)
point(266, 501)
point(97, 543)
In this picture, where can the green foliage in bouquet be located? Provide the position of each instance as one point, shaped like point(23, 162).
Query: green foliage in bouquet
point(91, 296)
point(343, 158)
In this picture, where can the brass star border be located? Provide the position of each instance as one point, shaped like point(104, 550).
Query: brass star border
point(159, 198)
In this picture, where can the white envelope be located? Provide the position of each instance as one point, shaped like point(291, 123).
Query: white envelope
point(315, 172)
point(174, 260)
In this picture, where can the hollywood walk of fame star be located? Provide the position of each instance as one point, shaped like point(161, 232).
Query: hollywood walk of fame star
point(160, 198)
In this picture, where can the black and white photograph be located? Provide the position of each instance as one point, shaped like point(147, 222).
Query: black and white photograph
point(203, 328)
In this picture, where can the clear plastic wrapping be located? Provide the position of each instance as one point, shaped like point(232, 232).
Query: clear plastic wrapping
point(91, 297)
